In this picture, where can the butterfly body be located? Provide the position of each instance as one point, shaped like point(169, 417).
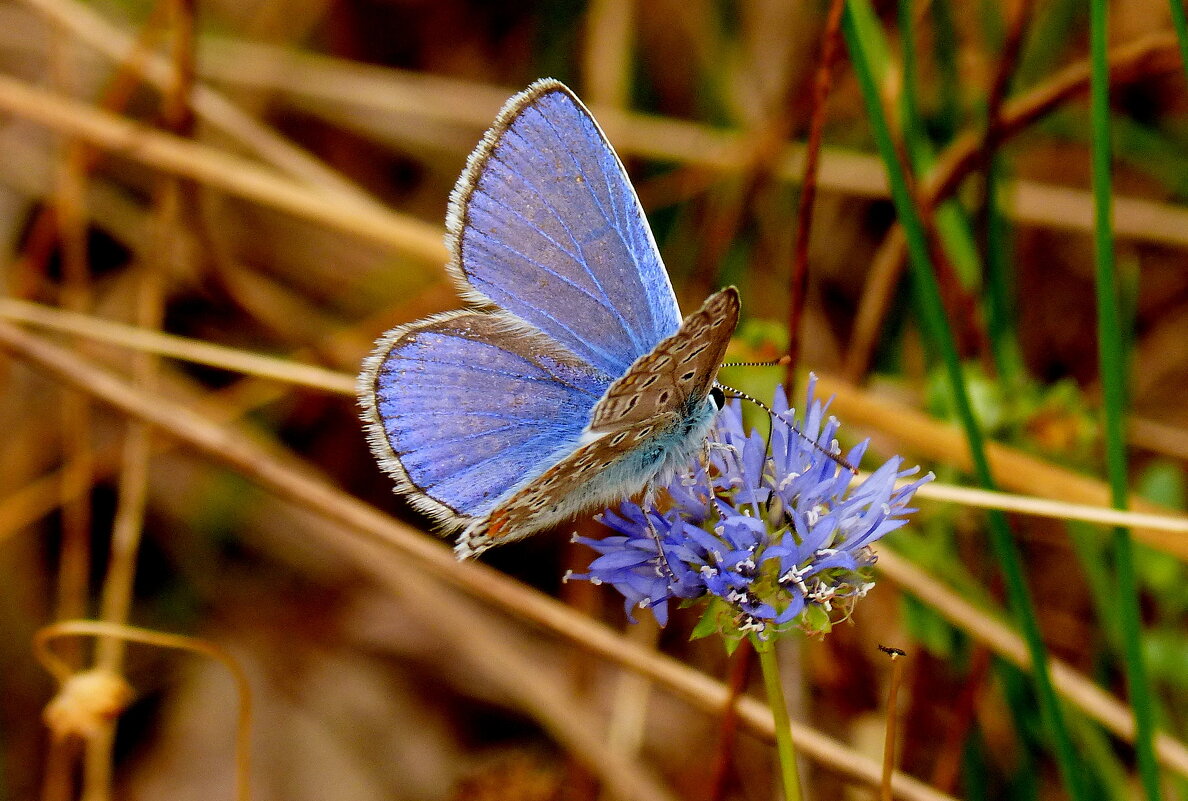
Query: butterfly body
point(576, 382)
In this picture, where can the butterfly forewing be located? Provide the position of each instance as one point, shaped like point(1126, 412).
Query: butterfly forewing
point(545, 224)
point(679, 372)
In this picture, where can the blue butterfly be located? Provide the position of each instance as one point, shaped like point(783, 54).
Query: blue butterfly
point(574, 383)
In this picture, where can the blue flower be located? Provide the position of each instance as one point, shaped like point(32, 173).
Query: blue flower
point(769, 531)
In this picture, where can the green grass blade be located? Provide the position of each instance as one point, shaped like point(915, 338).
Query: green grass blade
point(936, 328)
point(1113, 375)
point(909, 106)
point(945, 45)
point(953, 227)
point(1180, 22)
point(1048, 39)
point(1000, 318)
point(1091, 549)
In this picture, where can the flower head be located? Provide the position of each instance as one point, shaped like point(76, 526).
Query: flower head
point(771, 531)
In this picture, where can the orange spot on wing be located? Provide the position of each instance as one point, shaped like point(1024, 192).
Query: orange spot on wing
point(498, 523)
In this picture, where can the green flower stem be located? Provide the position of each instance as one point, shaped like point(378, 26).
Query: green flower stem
point(789, 773)
point(1112, 359)
point(936, 328)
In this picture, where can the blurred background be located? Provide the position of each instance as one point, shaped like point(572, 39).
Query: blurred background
point(294, 209)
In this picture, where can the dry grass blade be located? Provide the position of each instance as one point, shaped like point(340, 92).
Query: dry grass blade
point(218, 169)
point(274, 471)
point(1083, 693)
point(340, 90)
point(1158, 437)
point(190, 350)
point(209, 105)
point(1045, 507)
point(866, 405)
point(919, 434)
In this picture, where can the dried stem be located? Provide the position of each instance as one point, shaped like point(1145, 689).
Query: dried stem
point(892, 719)
point(70, 215)
point(62, 671)
point(196, 351)
point(128, 527)
point(1007, 63)
point(219, 169)
point(149, 312)
point(946, 766)
point(74, 562)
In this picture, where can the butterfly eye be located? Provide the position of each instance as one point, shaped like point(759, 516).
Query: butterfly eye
point(718, 397)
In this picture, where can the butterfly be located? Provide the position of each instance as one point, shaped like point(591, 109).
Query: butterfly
point(573, 382)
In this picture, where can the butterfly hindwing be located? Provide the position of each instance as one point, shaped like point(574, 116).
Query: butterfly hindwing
point(545, 224)
point(597, 473)
point(464, 407)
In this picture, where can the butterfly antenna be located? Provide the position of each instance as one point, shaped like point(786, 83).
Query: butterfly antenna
point(731, 392)
point(780, 362)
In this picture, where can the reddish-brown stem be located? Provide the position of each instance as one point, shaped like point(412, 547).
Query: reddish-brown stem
point(889, 740)
point(798, 281)
point(740, 673)
point(947, 766)
point(1007, 63)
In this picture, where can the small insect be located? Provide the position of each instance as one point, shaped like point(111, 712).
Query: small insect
point(573, 382)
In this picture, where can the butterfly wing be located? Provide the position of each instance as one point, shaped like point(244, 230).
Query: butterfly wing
point(464, 408)
point(678, 374)
point(496, 422)
point(651, 420)
point(595, 474)
point(544, 223)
